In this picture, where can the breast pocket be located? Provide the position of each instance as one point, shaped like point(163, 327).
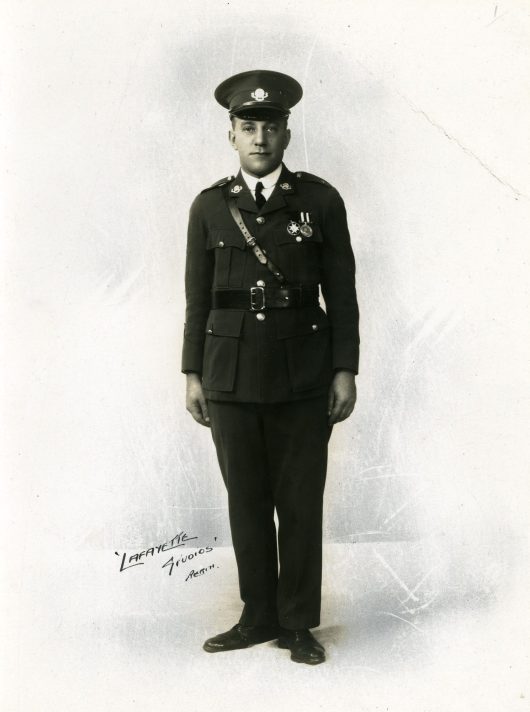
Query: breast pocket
point(305, 334)
point(301, 255)
point(229, 249)
point(221, 349)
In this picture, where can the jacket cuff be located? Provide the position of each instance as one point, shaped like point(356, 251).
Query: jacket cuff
point(192, 354)
point(346, 357)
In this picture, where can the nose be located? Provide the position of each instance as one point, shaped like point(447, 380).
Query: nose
point(260, 136)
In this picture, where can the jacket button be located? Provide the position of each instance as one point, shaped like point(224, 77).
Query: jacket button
point(260, 283)
point(298, 239)
point(260, 317)
point(260, 220)
point(314, 327)
point(210, 331)
point(221, 243)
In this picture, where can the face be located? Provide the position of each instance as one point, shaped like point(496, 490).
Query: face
point(260, 144)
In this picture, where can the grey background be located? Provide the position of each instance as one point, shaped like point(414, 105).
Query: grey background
point(418, 113)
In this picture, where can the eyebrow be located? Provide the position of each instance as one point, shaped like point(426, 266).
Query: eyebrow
point(252, 122)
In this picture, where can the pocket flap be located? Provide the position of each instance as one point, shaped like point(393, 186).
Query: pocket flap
point(301, 322)
point(225, 238)
point(225, 322)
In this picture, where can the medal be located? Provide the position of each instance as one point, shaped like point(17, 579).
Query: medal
point(305, 228)
point(293, 228)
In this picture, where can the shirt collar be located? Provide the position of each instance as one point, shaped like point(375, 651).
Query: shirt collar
point(268, 181)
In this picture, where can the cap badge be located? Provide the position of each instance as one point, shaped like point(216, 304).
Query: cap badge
point(237, 189)
point(285, 186)
point(293, 228)
point(259, 95)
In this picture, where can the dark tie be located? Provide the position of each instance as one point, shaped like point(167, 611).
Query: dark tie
point(260, 199)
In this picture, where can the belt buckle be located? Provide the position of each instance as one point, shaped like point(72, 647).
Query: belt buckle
point(253, 292)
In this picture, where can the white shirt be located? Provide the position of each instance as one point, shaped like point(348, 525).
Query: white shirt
point(268, 182)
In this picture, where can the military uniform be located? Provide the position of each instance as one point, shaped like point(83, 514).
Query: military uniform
point(266, 368)
point(269, 356)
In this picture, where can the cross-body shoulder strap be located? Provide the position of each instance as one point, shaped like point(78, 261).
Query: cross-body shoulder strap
point(251, 241)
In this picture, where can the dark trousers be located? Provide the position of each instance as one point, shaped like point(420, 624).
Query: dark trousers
point(275, 456)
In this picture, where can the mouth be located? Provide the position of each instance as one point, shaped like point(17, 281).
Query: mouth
point(260, 153)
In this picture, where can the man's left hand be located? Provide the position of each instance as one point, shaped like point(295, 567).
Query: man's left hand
point(342, 396)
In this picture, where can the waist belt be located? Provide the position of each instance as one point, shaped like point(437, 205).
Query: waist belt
point(259, 298)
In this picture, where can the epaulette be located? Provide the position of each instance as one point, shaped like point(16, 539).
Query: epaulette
point(310, 178)
point(219, 183)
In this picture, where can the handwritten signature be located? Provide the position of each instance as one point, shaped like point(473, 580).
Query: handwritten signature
point(129, 561)
point(182, 559)
point(178, 540)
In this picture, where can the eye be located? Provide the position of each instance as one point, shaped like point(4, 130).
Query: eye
point(248, 128)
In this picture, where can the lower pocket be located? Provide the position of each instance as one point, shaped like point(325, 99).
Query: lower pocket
point(220, 362)
point(306, 338)
point(309, 360)
point(221, 349)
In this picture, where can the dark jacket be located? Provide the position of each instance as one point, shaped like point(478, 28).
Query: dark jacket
point(291, 353)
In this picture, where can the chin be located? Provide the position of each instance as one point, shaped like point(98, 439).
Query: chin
point(259, 168)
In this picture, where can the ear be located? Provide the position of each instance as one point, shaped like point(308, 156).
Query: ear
point(286, 139)
point(232, 139)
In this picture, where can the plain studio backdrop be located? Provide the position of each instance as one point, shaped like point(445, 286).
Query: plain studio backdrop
point(418, 113)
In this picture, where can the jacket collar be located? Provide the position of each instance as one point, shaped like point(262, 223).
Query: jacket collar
point(286, 185)
point(268, 181)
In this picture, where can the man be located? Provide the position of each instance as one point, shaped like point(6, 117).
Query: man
point(267, 368)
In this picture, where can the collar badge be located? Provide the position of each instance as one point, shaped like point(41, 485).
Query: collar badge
point(237, 189)
point(285, 186)
point(259, 95)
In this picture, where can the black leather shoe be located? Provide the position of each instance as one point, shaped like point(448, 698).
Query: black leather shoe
point(241, 636)
point(303, 646)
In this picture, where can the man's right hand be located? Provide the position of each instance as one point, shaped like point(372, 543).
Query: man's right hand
point(195, 400)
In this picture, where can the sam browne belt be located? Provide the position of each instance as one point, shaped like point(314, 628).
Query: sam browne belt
point(259, 298)
point(251, 241)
